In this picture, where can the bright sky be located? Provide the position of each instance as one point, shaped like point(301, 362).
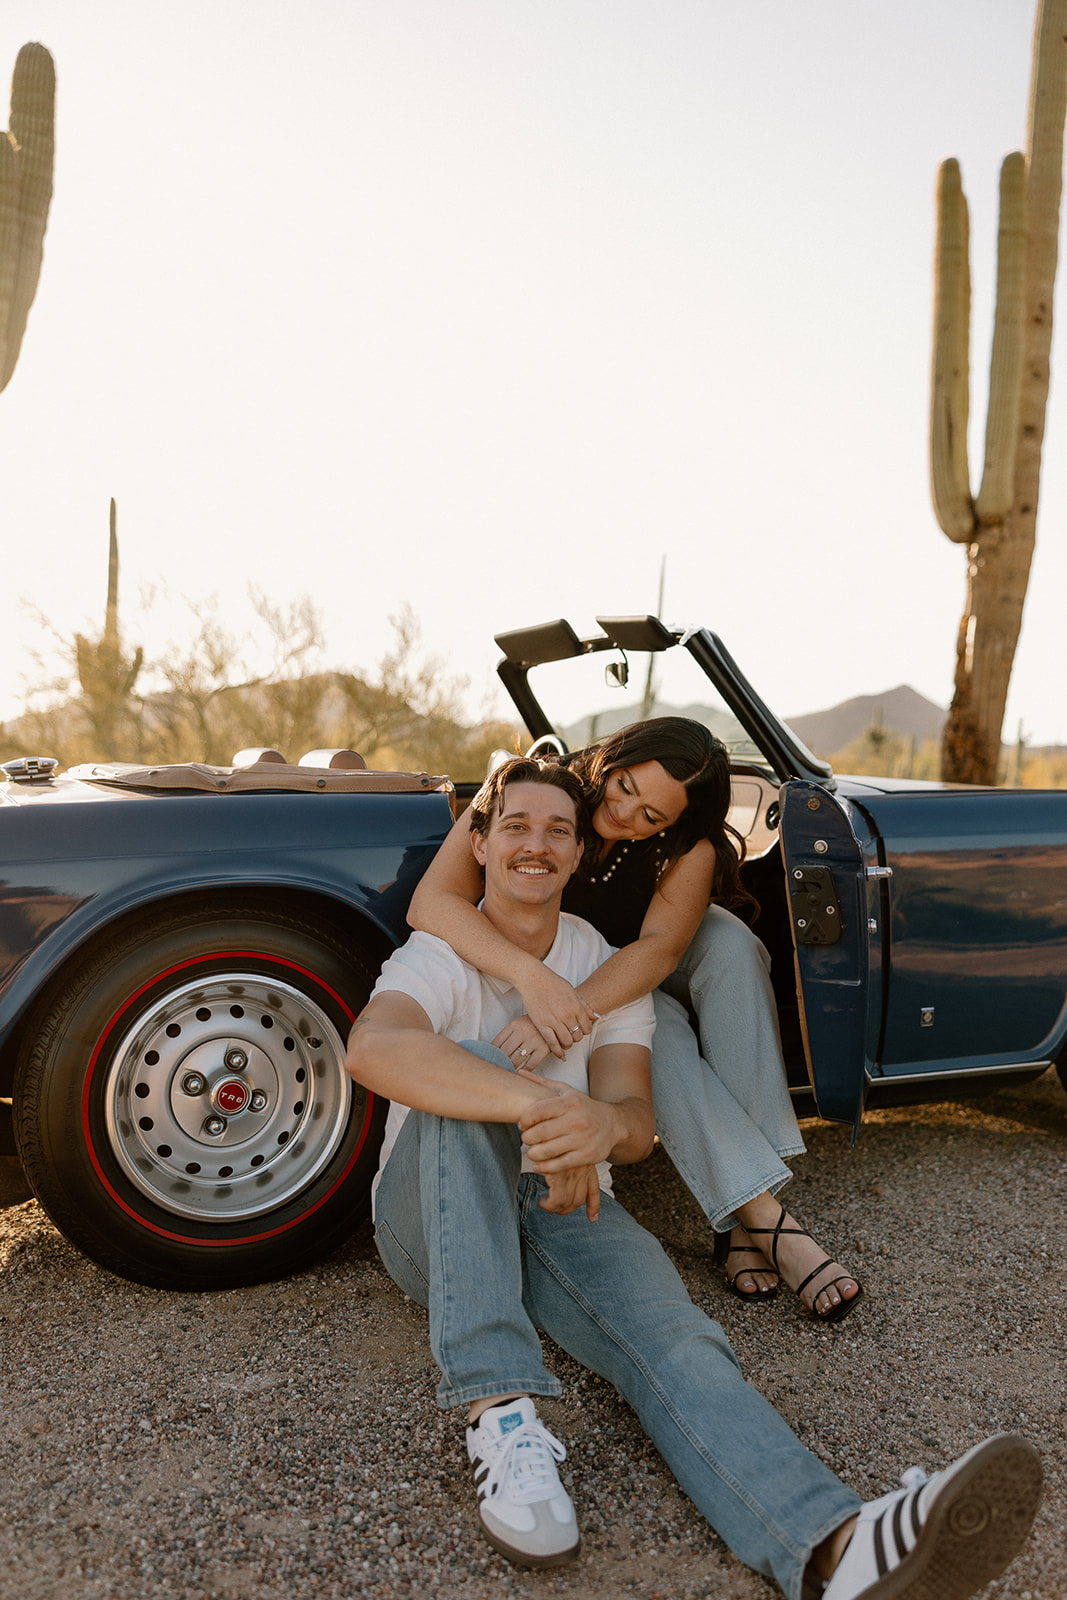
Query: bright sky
point(491, 305)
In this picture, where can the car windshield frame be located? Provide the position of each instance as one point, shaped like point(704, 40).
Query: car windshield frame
point(784, 754)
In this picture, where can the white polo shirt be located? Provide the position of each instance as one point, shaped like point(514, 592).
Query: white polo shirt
point(463, 1003)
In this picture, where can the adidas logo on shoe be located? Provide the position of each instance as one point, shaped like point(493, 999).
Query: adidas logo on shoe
point(526, 1513)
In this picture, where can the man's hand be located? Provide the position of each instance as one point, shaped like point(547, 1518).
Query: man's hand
point(565, 1137)
point(569, 1190)
point(568, 1130)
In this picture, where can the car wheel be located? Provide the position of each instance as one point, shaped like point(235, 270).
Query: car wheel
point(182, 1109)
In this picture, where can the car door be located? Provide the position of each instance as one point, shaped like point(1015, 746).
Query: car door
point(835, 893)
point(978, 980)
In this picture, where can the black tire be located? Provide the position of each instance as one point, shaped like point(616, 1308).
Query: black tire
point(181, 1106)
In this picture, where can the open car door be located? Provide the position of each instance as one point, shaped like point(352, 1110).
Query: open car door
point(836, 886)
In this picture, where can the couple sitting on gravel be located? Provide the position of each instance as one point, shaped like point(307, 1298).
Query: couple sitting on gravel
point(494, 1210)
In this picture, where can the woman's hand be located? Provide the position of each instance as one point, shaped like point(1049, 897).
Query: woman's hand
point(556, 1010)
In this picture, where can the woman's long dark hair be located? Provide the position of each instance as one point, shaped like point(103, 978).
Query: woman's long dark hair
point(695, 758)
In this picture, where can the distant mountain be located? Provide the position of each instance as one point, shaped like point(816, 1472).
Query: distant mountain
point(902, 710)
point(721, 722)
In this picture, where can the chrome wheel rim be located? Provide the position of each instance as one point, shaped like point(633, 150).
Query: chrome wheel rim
point(227, 1097)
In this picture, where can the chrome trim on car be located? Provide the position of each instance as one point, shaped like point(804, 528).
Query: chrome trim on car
point(30, 769)
point(966, 1073)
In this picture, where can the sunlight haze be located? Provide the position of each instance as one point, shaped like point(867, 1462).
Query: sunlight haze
point(491, 307)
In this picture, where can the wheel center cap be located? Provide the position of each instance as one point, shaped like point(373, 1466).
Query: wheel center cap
point(231, 1096)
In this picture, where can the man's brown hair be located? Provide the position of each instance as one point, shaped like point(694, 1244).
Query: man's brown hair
point(521, 769)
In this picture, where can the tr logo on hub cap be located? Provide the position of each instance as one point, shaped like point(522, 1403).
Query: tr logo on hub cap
point(231, 1096)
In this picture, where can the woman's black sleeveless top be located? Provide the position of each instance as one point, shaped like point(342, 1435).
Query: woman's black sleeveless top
point(615, 896)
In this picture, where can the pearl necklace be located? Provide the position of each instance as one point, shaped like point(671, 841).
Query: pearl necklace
point(616, 856)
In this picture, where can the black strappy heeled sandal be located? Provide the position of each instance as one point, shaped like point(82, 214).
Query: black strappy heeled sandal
point(722, 1253)
point(843, 1306)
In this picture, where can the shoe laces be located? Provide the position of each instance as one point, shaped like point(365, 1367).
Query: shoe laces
point(914, 1478)
point(525, 1459)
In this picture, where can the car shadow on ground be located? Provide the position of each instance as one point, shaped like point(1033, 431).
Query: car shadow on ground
point(13, 1186)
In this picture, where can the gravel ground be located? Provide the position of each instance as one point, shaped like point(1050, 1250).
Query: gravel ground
point(283, 1441)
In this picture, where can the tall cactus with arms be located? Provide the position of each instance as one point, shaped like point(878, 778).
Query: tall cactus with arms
point(998, 526)
point(26, 159)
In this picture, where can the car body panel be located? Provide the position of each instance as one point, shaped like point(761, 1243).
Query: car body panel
point(979, 927)
point(76, 858)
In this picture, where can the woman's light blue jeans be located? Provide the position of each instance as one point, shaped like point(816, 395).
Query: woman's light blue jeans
point(723, 1111)
point(460, 1230)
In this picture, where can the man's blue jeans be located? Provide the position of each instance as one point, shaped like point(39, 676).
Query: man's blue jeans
point(460, 1230)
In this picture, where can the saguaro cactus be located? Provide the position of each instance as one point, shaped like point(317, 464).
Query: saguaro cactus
point(107, 676)
point(26, 160)
point(997, 527)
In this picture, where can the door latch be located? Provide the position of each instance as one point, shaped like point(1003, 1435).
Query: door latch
point(816, 913)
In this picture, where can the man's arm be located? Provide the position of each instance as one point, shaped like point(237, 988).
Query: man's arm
point(393, 1051)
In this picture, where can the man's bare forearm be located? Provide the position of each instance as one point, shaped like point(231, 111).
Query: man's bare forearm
point(637, 1130)
point(431, 1073)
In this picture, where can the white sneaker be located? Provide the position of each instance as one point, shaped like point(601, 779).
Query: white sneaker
point(526, 1512)
point(945, 1537)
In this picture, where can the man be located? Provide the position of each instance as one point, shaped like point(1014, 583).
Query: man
point(494, 1210)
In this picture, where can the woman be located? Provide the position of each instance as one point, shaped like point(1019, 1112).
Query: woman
point(660, 848)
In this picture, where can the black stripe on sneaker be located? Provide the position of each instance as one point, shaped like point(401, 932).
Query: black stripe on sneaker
point(886, 1559)
point(879, 1547)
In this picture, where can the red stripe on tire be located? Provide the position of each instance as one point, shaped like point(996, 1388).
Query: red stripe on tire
point(166, 1233)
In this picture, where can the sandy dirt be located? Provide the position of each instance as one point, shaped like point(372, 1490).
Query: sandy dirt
point(282, 1441)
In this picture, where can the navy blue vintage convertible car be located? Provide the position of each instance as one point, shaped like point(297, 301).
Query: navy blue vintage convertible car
point(182, 950)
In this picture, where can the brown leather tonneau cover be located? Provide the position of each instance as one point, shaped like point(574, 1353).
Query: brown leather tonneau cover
point(264, 775)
